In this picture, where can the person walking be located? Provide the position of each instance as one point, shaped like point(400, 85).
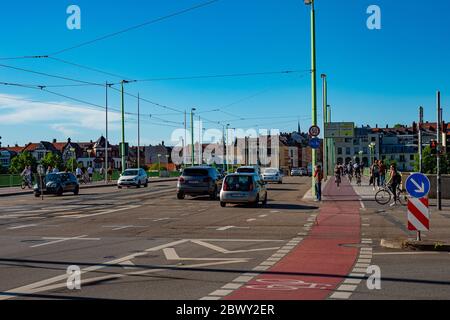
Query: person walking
point(90, 172)
point(49, 170)
point(383, 170)
point(318, 177)
point(375, 170)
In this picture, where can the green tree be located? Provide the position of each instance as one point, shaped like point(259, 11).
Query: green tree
point(19, 163)
point(52, 160)
point(429, 162)
point(71, 164)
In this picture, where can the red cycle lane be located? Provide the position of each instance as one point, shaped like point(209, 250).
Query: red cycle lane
point(321, 254)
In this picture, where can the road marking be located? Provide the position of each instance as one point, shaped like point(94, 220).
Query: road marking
point(341, 295)
point(221, 293)
point(102, 212)
point(261, 268)
point(243, 279)
point(23, 226)
point(171, 254)
point(251, 220)
point(228, 228)
point(404, 253)
point(116, 228)
point(363, 206)
point(225, 251)
point(347, 287)
point(211, 298)
point(232, 286)
point(263, 216)
point(353, 281)
point(59, 240)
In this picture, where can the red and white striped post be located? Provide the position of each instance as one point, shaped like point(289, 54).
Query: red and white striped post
point(418, 215)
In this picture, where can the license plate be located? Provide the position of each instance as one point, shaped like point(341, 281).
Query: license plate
point(238, 195)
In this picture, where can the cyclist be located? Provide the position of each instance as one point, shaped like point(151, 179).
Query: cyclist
point(357, 170)
point(337, 174)
point(79, 173)
point(395, 179)
point(27, 176)
point(350, 171)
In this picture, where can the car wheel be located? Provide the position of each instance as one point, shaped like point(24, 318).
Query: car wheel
point(256, 203)
point(60, 192)
point(119, 187)
point(181, 196)
point(77, 191)
point(138, 185)
point(146, 184)
point(213, 196)
point(223, 204)
point(265, 200)
point(37, 195)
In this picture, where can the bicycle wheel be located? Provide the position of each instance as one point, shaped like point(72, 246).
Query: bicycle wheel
point(402, 197)
point(383, 197)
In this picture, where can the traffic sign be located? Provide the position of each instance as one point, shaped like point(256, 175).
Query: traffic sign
point(314, 143)
point(418, 185)
point(314, 131)
point(418, 214)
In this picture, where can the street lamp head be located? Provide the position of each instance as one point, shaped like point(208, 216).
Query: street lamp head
point(309, 2)
point(323, 75)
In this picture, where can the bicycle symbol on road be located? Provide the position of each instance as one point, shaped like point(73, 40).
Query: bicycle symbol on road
point(286, 285)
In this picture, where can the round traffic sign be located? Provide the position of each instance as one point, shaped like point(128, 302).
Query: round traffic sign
point(314, 131)
point(314, 143)
point(418, 185)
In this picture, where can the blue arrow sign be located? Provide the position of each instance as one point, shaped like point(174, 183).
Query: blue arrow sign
point(418, 185)
point(314, 143)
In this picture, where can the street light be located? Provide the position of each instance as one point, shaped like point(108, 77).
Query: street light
point(192, 136)
point(159, 165)
point(314, 82)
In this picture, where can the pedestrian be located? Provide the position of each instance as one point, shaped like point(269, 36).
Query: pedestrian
point(90, 172)
point(55, 170)
point(383, 170)
point(110, 172)
point(375, 173)
point(318, 177)
point(49, 170)
point(78, 173)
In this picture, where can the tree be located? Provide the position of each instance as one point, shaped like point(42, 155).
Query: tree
point(429, 162)
point(71, 164)
point(19, 163)
point(52, 160)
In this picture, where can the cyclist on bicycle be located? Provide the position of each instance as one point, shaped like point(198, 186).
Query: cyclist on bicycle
point(27, 176)
point(357, 170)
point(337, 174)
point(79, 173)
point(395, 179)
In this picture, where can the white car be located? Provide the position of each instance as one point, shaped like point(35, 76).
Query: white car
point(272, 175)
point(249, 169)
point(133, 178)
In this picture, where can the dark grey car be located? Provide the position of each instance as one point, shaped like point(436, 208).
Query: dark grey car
point(197, 181)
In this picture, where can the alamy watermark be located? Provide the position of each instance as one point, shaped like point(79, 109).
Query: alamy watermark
point(374, 280)
point(73, 22)
point(74, 278)
point(374, 19)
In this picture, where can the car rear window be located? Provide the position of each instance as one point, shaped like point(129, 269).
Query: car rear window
point(246, 170)
point(238, 183)
point(195, 173)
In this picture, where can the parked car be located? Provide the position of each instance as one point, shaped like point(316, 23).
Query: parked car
point(243, 188)
point(133, 178)
point(272, 175)
point(58, 184)
point(299, 172)
point(197, 181)
point(249, 169)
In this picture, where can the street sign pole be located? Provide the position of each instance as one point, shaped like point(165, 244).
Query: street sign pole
point(439, 138)
point(420, 138)
point(325, 143)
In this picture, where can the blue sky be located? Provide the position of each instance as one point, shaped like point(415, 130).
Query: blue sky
point(375, 77)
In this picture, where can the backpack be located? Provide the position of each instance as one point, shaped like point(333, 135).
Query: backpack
point(397, 178)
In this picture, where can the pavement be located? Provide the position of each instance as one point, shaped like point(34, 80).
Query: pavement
point(145, 244)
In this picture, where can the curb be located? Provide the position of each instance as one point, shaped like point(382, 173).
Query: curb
point(416, 245)
point(87, 187)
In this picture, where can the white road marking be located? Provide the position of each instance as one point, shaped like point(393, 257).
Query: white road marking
point(347, 287)
point(232, 286)
point(116, 228)
point(210, 298)
point(102, 212)
point(363, 206)
point(404, 253)
point(261, 268)
point(59, 240)
point(171, 255)
point(341, 295)
point(221, 293)
point(225, 251)
point(251, 220)
point(263, 216)
point(243, 279)
point(353, 281)
point(23, 226)
point(230, 227)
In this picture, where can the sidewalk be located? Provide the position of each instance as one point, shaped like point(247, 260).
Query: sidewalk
point(390, 224)
point(17, 191)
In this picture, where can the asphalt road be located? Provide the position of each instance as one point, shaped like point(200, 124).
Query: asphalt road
point(141, 243)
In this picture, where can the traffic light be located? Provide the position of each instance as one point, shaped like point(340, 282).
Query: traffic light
point(433, 146)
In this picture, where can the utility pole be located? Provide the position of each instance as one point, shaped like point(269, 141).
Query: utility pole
point(313, 84)
point(223, 151)
point(226, 153)
point(420, 139)
point(192, 136)
point(139, 135)
point(123, 126)
point(106, 141)
point(185, 139)
point(325, 146)
point(439, 148)
point(200, 147)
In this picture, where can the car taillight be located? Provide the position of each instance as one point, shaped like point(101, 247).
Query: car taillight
point(181, 180)
point(225, 186)
point(251, 187)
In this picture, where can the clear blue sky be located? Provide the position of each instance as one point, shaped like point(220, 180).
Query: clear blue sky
point(375, 77)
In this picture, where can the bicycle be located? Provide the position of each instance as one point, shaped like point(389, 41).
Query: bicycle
point(26, 182)
point(358, 179)
point(385, 194)
point(337, 180)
